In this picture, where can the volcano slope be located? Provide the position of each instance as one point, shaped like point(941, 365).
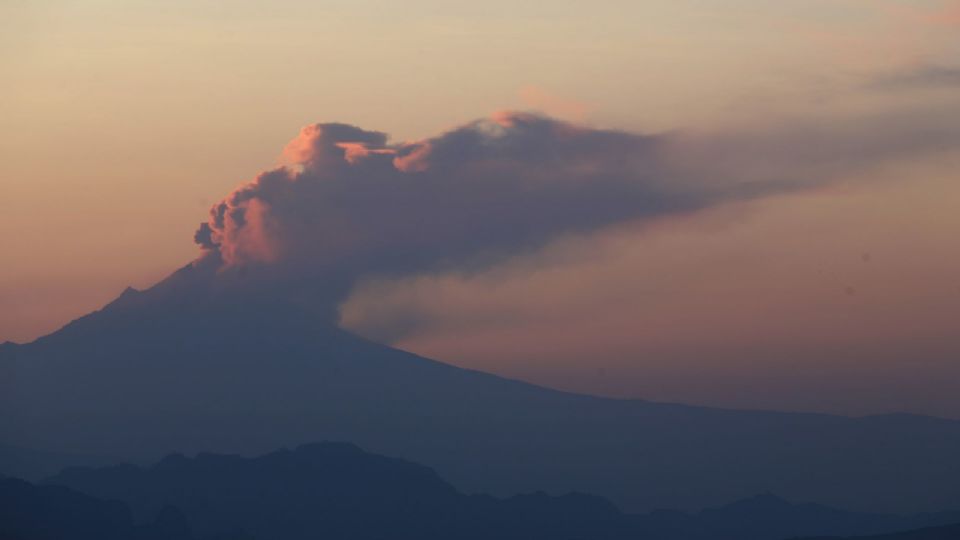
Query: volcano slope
point(181, 369)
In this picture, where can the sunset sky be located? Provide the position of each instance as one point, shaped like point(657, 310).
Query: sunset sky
point(835, 286)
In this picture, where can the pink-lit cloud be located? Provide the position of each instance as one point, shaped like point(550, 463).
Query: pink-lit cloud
point(350, 205)
point(537, 98)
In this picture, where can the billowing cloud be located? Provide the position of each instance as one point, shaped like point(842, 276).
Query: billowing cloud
point(350, 205)
point(539, 99)
point(839, 300)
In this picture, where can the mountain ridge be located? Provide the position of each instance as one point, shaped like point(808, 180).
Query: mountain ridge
point(130, 296)
point(185, 366)
point(326, 489)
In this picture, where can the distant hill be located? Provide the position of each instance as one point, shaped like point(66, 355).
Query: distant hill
point(769, 516)
point(184, 367)
point(35, 464)
point(948, 532)
point(337, 491)
point(29, 512)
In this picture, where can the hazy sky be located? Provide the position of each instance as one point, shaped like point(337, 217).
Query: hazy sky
point(122, 121)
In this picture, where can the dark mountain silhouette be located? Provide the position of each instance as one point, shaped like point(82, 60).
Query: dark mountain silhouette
point(335, 490)
point(188, 366)
point(948, 532)
point(29, 463)
point(29, 512)
point(769, 516)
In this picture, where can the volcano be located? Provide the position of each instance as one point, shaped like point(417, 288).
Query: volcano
point(184, 368)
